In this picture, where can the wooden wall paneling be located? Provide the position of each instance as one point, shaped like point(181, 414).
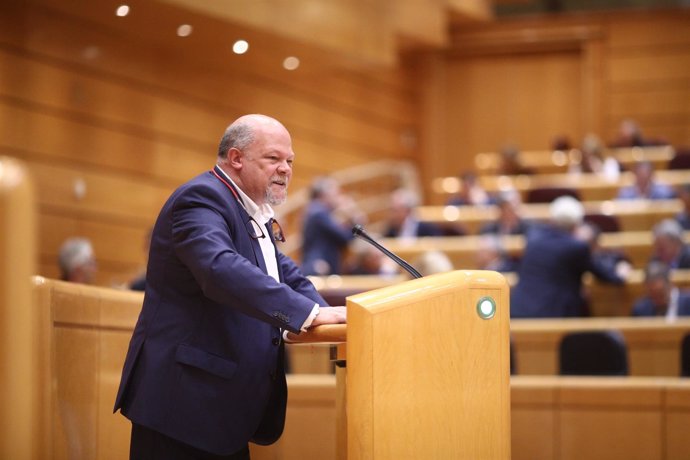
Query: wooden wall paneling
point(112, 428)
point(648, 75)
point(115, 214)
point(31, 132)
point(632, 64)
point(107, 197)
point(273, 96)
point(655, 101)
point(593, 89)
point(433, 150)
point(645, 29)
point(115, 244)
point(611, 422)
point(534, 425)
point(311, 399)
point(251, 90)
point(116, 103)
point(351, 125)
point(663, 64)
point(524, 99)
point(76, 369)
point(677, 418)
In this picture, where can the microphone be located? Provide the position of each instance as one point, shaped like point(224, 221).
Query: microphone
point(358, 231)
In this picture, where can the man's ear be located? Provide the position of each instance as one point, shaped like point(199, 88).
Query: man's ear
point(235, 158)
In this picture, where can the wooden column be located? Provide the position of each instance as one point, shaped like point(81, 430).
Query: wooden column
point(24, 432)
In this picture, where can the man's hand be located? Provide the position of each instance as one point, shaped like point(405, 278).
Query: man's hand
point(330, 315)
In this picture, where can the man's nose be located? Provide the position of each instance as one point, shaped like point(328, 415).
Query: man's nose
point(284, 167)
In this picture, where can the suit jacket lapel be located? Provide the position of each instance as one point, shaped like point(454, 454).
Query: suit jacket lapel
point(246, 220)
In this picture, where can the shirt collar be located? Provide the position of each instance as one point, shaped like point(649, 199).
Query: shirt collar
point(261, 214)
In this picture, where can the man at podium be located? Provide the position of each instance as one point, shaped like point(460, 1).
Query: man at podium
point(204, 371)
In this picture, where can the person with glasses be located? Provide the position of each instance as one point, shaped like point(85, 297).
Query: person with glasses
point(204, 374)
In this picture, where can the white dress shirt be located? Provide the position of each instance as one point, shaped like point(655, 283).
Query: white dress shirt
point(262, 215)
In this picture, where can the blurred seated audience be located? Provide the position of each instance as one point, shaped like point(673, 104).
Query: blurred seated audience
point(669, 245)
point(491, 255)
point(605, 259)
point(510, 162)
point(630, 135)
point(470, 193)
point(552, 265)
point(365, 259)
point(402, 221)
point(683, 217)
point(432, 262)
point(645, 186)
point(327, 227)
point(561, 142)
point(509, 221)
point(662, 297)
point(594, 161)
point(77, 261)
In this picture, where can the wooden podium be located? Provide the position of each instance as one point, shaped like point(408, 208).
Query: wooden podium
point(425, 370)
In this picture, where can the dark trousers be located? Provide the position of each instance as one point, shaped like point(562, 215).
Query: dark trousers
point(148, 444)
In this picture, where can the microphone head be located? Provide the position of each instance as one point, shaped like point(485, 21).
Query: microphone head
point(358, 230)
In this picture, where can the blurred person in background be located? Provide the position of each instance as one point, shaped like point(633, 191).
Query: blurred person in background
point(77, 261)
point(606, 260)
point(683, 217)
point(594, 161)
point(630, 135)
point(432, 262)
point(669, 245)
point(662, 297)
point(365, 259)
point(552, 265)
point(645, 185)
point(402, 221)
point(491, 255)
point(327, 228)
point(471, 193)
point(510, 162)
point(509, 221)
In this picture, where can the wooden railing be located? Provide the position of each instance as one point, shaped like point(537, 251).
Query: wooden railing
point(632, 215)
point(590, 187)
point(558, 161)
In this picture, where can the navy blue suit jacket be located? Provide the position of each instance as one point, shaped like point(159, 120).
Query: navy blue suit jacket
point(324, 239)
point(205, 363)
point(550, 275)
point(645, 307)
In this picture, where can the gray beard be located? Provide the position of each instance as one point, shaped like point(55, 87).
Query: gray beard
point(274, 200)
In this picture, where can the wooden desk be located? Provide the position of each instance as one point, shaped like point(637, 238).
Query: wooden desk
point(553, 418)
point(653, 344)
point(602, 418)
point(633, 215)
point(590, 187)
point(558, 161)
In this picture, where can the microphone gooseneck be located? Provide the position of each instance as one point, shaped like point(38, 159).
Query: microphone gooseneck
point(358, 231)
